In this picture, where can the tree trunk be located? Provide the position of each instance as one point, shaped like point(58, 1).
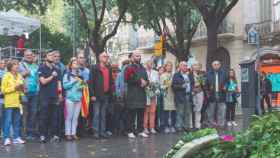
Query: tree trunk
point(212, 43)
point(180, 54)
point(96, 46)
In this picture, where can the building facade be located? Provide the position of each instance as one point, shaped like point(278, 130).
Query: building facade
point(261, 14)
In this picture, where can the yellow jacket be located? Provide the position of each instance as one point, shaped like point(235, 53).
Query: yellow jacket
point(11, 96)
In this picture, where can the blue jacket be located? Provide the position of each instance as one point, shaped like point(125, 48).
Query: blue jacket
point(72, 87)
point(31, 81)
point(121, 86)
point(178, 88)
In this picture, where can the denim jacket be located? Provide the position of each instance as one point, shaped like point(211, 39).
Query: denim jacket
point(73, 87)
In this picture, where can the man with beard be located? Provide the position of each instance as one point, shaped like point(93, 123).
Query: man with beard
point(137, 79)
point(29, 70)
point(50, 98)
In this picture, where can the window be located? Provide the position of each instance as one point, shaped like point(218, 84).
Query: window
point(276, 6)
point(265, 10)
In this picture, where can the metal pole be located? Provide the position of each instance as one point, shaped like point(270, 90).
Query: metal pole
point(40, 49)
point(259, 110)
point(74, 30)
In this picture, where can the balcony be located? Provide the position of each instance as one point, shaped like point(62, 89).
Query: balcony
point(226, 30)
point(269, 31)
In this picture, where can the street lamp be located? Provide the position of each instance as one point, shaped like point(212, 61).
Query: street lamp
point(254, 39)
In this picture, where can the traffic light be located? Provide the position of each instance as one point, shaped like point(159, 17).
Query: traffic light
point(159, 48)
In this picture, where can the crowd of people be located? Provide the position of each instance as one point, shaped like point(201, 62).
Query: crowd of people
point(46, 101)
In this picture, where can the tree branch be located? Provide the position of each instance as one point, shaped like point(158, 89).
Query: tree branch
point(223, 14)
point(102, 12)
point(94, 9)
point(172, 40)
point(114, 31)
point(202, 6)
point(84, 15)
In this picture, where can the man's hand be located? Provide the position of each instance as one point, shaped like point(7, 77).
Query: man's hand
point(19, 87)
point(54, 74)
point(143, 83)
point(93, 98)
point(60, 98)
point(26, 73)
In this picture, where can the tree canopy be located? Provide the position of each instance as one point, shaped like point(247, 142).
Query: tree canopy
point(101, 19)
point(32, 6)
point(178, 19)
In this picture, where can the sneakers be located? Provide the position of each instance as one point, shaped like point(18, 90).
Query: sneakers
point(109, 133)
point(143, 134)
point(166, 130)
point(55, 139)
point(18, 141)
point(234, 123)
point(146, 131)
point(7, 142)
point(68, 137)
point(131, 135)
point(43, 139)
point(75, 137)
point(153, 131)
point(173, 130)
point(229, 124)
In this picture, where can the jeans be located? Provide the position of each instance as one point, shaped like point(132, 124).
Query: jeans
point(134, 114)
point(160, 112)
point(32, 109)
point(12, 118)
point(49, 119)
point(150, 115)
point(1, 114)
point(169, 115)
point(216, 109)
point(198, 103)
point(73, 110)
point(99, 115)
point(184, 114)
point(230, 111)
point(265, 98)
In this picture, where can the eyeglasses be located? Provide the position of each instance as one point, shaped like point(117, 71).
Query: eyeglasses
point(105, 56)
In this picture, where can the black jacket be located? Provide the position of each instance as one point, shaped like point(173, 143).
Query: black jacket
point(177, 86)
point(96, 86)
point(266, 87)
point(136, 95)
point(210, 85)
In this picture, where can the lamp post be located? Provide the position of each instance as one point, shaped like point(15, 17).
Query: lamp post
point(254, 39)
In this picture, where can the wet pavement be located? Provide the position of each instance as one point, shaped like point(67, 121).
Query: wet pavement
point(117, 147)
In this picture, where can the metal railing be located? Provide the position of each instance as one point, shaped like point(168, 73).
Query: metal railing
point(13, 53)
point(265, 27)
point(225, 27)
point(276, 26)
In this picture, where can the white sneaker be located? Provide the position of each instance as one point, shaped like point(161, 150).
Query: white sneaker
point(166, 130)
point(173, 130)
point(234, 123)
point(7, 142)
point(146, 131)
point(153, 131)
point(229, 124)
point(131, 135)
point(144, 135)
point(18, 141)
